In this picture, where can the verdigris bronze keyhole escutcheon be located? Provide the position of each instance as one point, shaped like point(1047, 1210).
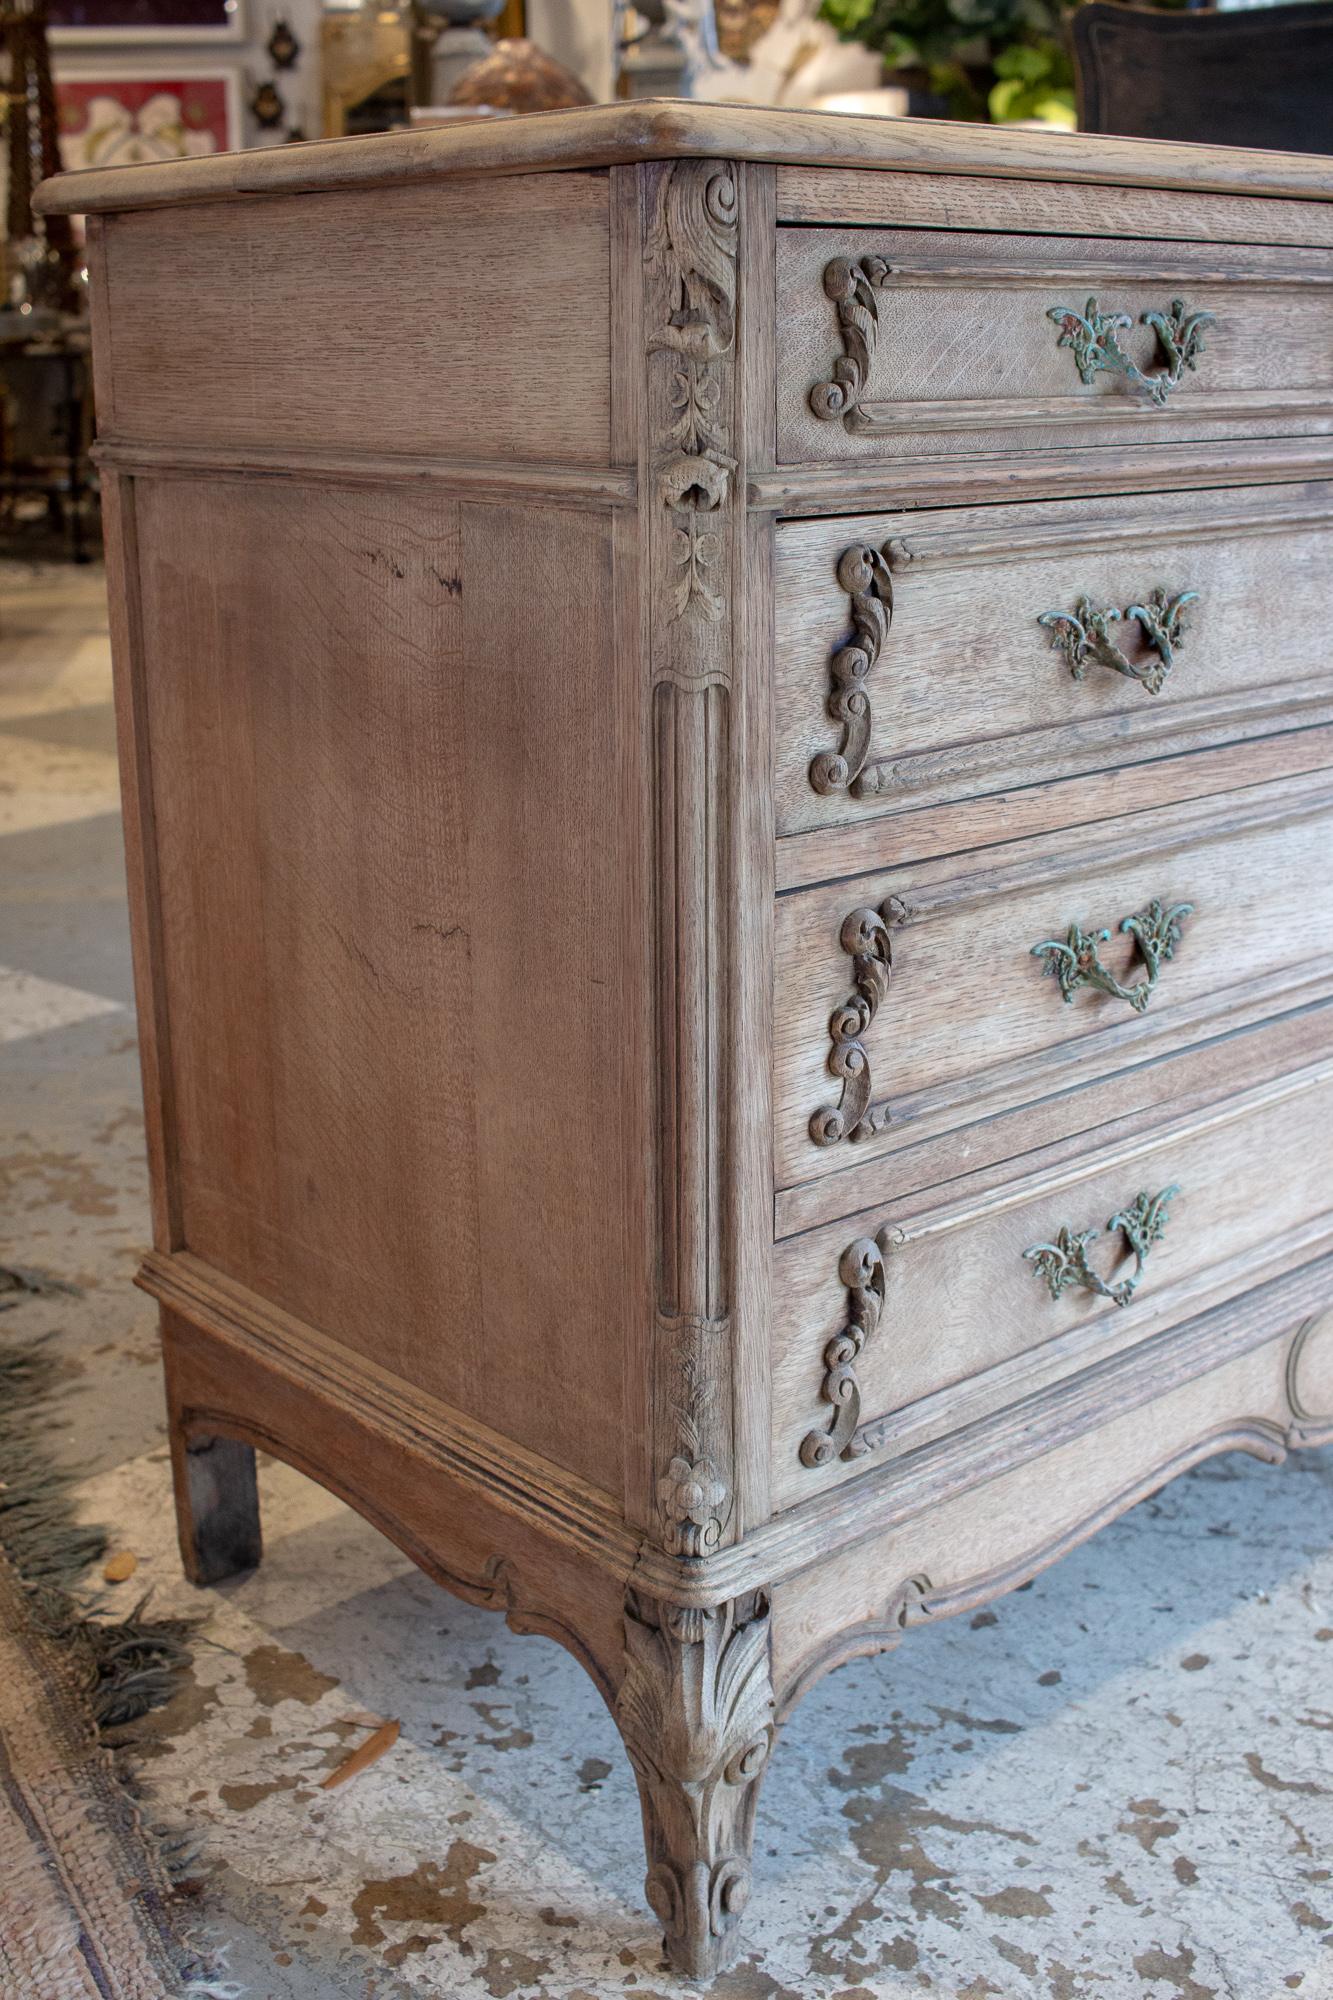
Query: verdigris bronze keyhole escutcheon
point(1083, 635)
point(1092, 336)
point(1076, 961)
point(1065, 1266)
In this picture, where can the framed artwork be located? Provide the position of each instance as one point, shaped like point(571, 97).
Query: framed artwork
point(116, 118)
point(107, 22)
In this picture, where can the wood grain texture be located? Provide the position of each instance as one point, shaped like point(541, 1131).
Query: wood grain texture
point(968, 587)
point(963, 357)
point(689, 226)
point(888, 200)
point(247, 1329)
point(938, 479)
point(702, 295)
point(368, 956)
point(485, 353)
point(961, 1554)
point(142, 875)
point(99, 322)
point(967, 1324)
point(852, 1512)
point(615, 134)
point(1092, 799)
point(1249, 1045)
point(488, 929)
point(566, 485)
point(694, 259)
point(971, 1024)
point(462, 1536)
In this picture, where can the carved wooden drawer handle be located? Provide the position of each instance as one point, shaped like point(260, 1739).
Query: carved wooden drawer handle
point(865, 938)
point(1092, 336)
point(1076, 962)
point(1064, 1264)
point(1083, 635)
point(862, 1272)
point(866, 574)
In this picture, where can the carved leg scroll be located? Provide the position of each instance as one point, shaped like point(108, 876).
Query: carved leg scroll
point(695, 1710)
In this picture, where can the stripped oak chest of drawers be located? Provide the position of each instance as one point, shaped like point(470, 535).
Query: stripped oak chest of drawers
point(728, 756)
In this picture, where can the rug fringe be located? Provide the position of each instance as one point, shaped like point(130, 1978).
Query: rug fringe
point(128, 1668)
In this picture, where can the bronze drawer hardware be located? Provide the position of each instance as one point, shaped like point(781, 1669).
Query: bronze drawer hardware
point(861, 1270)
point(1092, 335)
point(1075, 961)
point(1083, 635)
point(1064, 1263)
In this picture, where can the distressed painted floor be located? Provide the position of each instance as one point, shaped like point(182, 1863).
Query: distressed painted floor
point(1117, 1782)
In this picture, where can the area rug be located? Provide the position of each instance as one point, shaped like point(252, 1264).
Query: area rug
point(90, 1902)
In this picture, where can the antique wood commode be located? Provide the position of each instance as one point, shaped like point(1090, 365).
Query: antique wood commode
point(728, 753)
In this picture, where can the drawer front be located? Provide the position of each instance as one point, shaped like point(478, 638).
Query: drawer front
point(898, 342)
point(904, 1324)
point(936, 656)
point(914, 1001)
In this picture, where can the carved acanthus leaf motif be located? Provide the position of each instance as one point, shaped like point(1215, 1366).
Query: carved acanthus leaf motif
point(865, 939)
point(693, 239)
point(692, 246)
point(695, 1710)
point(692, 1495)
point(861, 1270)
point(851, 283)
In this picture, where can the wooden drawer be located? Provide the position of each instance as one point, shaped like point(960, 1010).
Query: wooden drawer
point(912, 1320)
point(914, 666)
point(898, 342)
point(910, 1002)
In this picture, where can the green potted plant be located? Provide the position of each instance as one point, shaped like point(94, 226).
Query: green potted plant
point(1004, 60)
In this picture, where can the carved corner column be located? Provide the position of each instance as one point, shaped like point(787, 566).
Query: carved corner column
point(696, 1704)
point(695, 1710)
point(690, 498)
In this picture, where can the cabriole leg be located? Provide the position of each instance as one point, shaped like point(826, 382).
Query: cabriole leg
point(695, 1710)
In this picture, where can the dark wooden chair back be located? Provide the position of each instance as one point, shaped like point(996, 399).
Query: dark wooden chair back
point(1259, 77)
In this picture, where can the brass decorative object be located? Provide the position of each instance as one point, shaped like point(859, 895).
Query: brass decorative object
point(1064, 1264)
point(1084, 635)
point(1075, 961)
point(1092, 336)
point(861, 1269)
point(518, 76)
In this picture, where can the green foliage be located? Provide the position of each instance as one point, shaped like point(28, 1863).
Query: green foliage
point(1005, 59)
point(1034, 80)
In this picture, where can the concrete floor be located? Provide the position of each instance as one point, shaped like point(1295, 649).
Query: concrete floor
point(1117, 1782)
